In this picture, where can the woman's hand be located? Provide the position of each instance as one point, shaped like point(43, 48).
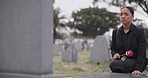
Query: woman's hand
point(136, 72)
point(116, 56)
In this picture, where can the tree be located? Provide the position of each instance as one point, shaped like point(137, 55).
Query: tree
point(93, 21)
point(57, 23)
point(142, 3)
point(95, 2)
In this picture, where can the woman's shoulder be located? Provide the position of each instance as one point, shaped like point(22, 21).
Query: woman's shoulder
point(139, 28)
point(115, 29)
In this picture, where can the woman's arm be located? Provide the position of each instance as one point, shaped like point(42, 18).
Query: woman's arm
point(141, 51)
point(113, 44)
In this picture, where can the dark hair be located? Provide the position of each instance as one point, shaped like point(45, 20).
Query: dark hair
point(130, 9)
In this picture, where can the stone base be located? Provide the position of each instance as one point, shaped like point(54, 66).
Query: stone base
point(11, 75)
point(112, 75)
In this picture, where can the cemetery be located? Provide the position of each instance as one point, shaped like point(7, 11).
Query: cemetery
point(86, 67)
point(27, 49)
point(81, 67)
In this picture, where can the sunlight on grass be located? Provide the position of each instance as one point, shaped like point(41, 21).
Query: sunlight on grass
point(82, 67)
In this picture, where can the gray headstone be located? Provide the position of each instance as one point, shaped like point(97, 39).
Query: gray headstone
point(70, 54)
point(78, 43)
point(26, 38)
point(90, 43)
point(74, 54)
point(56, 49)
point(67, 54)
point(100, 50)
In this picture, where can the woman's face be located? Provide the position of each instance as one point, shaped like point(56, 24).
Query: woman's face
point(125, 16)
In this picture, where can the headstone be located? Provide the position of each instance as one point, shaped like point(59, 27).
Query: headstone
point(85, 45)
point(56, 49)
point(78, 43)
point(70, 54)
point(100, 50)
point(90, 43)
point(112, 75)
point(26, 38)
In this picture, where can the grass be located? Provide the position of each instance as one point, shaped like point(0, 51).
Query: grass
point(82, 67)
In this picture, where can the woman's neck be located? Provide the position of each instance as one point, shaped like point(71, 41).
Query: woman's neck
point(126, 26)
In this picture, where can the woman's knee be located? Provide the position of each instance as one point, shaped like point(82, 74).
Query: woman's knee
point(119, 66)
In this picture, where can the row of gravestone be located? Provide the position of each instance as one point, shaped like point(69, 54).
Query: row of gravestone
point(80, 43)
point(99, 52)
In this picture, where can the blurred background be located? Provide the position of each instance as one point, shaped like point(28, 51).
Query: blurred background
point(86, 19)
point(83, 33)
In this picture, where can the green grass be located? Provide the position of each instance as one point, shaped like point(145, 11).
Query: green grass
point(82, 67)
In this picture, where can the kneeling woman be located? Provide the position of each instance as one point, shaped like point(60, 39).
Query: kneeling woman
point(128, 47)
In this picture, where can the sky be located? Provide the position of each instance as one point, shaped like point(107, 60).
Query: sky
point(67, 6)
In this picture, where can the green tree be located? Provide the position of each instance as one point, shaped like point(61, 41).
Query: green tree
point(57, 23)
point(93, 21)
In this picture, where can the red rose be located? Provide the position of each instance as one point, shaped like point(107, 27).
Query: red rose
point(129, 53)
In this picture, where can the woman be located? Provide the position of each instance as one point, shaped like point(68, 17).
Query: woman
point(128, 38)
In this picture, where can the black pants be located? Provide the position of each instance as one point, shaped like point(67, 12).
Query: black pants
point(119, 66)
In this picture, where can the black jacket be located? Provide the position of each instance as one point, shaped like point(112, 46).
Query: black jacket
point(134, 40)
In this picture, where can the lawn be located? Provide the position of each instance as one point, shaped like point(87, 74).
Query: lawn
point(82, 67)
